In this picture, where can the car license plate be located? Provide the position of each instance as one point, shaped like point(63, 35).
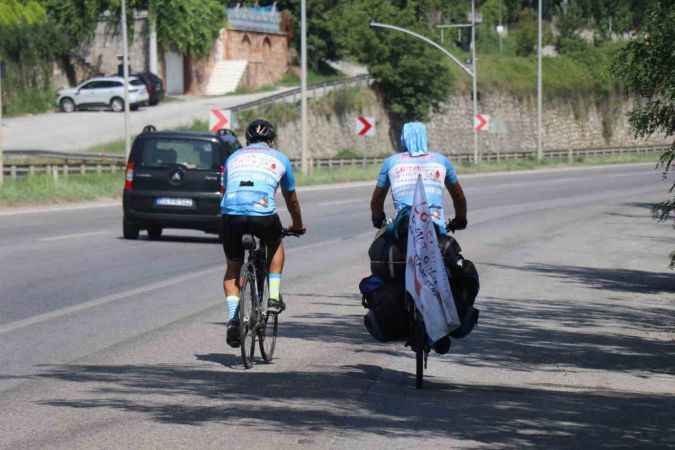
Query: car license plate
point(181, 202)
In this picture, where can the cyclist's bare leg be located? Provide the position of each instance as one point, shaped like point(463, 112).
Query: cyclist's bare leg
point(231, 280)
point(277, 263)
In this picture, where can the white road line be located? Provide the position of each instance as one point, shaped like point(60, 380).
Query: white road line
point(48, 209)
point(71, 236)
point(12, 326)
point(57, 314)
point(341, 202)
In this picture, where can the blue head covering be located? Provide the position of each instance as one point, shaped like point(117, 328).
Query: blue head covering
point(414, 138)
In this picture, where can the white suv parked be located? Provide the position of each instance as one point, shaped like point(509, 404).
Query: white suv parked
point(103, 91)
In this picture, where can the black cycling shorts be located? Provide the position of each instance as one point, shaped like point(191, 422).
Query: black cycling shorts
point(267, 228)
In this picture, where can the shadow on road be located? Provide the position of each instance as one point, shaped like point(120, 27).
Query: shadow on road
point(624, 280)
point(561, 336)
point(348, 399)
point(566, 337)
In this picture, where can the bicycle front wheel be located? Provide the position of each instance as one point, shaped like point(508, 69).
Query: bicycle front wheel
point(247, 318)
point(267, 337)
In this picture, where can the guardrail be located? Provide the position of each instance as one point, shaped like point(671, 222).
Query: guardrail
point(560, 154)
point(63, 164)
point(294, 94)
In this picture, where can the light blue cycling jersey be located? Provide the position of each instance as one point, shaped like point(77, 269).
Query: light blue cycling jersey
point(400, 171)
point(251, 177)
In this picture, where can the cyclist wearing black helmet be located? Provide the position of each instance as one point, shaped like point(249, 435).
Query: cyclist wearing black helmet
point(252, 175)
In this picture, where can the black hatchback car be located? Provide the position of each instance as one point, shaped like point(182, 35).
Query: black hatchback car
point(174, 180)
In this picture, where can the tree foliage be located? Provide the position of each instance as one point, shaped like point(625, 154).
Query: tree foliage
point(412, 77)
point(647, 68)
point(26, 48)
point(189, 26)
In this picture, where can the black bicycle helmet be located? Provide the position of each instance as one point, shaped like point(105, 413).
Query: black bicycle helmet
point(260, 131)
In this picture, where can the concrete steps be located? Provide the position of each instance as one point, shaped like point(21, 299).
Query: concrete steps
point(226, 77)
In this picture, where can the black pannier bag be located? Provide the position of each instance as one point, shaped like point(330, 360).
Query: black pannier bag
point(387, 318)
point(465, 284)
point(387, 260)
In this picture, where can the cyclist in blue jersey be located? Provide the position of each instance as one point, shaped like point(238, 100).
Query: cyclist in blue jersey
point(400, 172)
point(251, 177)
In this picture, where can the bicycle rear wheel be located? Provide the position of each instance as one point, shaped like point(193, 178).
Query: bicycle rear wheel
point(419, 352)
point(247, 318)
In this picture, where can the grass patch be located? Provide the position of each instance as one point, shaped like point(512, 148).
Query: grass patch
point(43, 189)
point(566, 76)
point(370, 172)
point(115, 147)
point(29, 101)
point(313, 77)
point(290, 79)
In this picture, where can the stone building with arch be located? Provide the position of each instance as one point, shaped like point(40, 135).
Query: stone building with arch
point(252, 51)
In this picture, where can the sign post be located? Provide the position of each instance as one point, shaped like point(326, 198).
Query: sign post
point(219, 119)
point(125, 62)
point(365, 126)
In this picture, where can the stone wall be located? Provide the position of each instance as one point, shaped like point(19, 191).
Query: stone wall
point(567, 124)
point(100, 57)
point(266, 53)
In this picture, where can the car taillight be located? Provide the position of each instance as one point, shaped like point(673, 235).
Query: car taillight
point(129, 180)
point(221, 173)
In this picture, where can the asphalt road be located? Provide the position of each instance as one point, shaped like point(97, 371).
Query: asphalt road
point(107, 343)
point(81, 130)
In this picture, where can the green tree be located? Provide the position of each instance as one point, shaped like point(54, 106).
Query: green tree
point(647, 68)
point(189, 26)
point(26, 46)
point(412, 77)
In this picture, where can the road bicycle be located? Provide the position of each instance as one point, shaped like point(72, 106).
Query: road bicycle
point(417, 335)
point(256, 320)
point(417, 340)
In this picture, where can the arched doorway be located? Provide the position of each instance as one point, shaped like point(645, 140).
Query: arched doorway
point(267, 48)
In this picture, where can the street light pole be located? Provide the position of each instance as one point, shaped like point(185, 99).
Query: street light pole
point(476, 159)
point(540, 151)
point(303, 86)
point(125, 65)
point(470, 72)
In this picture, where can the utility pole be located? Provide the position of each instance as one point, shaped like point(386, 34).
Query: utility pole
point(476, 159)
point(540, 151)
point(125, 65)
point(303, 86)
point(152, 46)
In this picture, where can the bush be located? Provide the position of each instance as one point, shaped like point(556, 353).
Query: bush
point(571, 45)
point(347, 153)
point(29, 101)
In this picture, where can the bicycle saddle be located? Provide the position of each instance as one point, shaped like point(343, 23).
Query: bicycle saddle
point(248, 242)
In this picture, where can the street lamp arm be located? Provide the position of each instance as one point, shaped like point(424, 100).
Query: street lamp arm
point(427, 40)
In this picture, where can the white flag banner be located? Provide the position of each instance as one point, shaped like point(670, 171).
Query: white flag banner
point(426, 279)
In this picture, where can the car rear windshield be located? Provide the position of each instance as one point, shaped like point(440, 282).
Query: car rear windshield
point(193, 154)
point(137, 82)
